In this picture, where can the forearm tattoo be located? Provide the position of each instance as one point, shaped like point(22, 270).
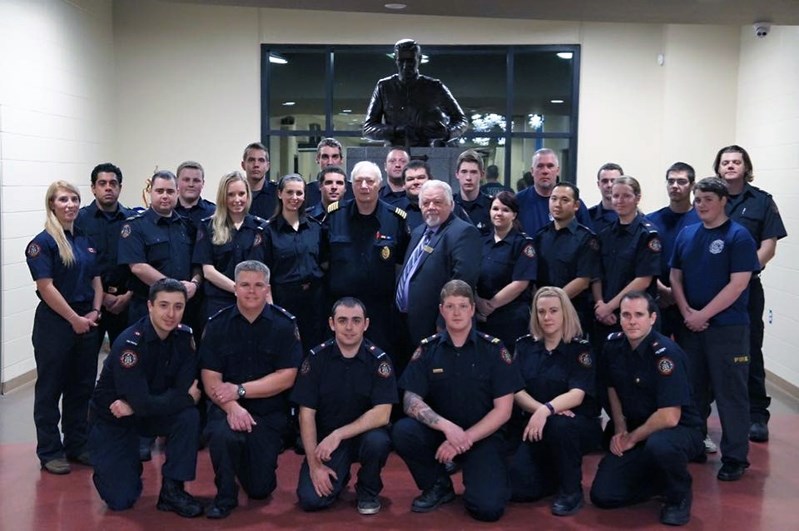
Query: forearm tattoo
point(416, 408)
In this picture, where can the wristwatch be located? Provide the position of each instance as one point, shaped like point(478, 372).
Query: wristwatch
point(241, 391)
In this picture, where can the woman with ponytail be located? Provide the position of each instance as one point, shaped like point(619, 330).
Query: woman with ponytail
point(62, 262)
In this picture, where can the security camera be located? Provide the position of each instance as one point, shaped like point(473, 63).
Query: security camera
point(762, 29)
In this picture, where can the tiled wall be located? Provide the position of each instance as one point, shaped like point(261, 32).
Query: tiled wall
point(57, 82)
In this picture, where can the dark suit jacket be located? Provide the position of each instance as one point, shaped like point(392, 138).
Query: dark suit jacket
point(456, 253)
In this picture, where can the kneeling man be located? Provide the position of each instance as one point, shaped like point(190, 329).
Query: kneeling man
point(345, 390)
point(148, 387)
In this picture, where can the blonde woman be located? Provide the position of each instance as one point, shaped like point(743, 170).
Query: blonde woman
point(62, 262)
point(558, 404)
point(232, 235)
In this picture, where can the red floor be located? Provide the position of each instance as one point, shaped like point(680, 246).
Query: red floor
point(766, 498)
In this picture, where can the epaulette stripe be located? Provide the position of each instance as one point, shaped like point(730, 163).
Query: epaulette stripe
point(401, 213)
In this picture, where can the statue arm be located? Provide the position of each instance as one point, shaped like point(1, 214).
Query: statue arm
point(373, 126)
point(458, 122)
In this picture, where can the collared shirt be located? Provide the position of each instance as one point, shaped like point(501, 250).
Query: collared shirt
point(342, 389)
point(601, 217)
point(292, 255)
point(151, 374)
point(264, 201)
point(549, 374)
point(390, 196)
point(669, 224)
point(197, 213)
point(165, 243)
point(461, 383)
point(653, 376)
point(478, 211)
point(534, 211)
point(567, 253)
point(707, 258)
point(102, 228)
point(628, 252)
point(414, 212)
point(74, 283)
point(364, 251)
point(756, 210)
point(511, 258)
point(242, 351)
point(246, 243)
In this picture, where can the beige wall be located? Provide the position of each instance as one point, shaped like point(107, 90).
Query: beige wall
point(766, 118)
point(56, 122)
point(186, 85)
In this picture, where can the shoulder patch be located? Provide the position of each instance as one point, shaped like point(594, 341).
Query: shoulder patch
point(529, 251)
point(33, 250)
point(505, 356)
point(615, 336)
point(128, 359)
point(417, 353)
point(665, 366)
point(332, 207)
point(258, 239)
point(401, 213)
point(584, 359)
point(305, 368)
point(654, 245)
point(384, 369)
point(593, 243)
point(125, 230)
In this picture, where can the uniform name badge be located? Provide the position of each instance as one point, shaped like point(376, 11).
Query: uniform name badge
point(427, 249)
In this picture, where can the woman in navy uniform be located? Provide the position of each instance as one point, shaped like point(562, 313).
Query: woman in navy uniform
point(559, 378)
point(508, 268)
point(225, 239)
point(630, 249)
point(63, 264)
point(291, 250)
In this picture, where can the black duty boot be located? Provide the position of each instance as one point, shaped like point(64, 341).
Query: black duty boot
point(175, 499)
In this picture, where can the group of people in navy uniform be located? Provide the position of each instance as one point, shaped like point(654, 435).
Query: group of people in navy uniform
point(465, 331)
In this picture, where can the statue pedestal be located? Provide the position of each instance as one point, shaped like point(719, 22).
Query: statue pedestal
point(442, 160)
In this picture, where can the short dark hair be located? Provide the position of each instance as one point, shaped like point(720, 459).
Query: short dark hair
point(682, 167)
point(329, 142)
point(167, 285)
point(609, 166)
point(165, 175)
point(332, 169)
point(470, 155)
point(714, 185)
point(348, 302)
point(415, 165)
point(735, 148)
point(492, 172)
point(651, 306)
point(106, 167)
point(192, 165)
point(571, 186)
point(255, 145)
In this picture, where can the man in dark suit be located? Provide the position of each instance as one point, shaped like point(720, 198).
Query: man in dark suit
point(443, 248)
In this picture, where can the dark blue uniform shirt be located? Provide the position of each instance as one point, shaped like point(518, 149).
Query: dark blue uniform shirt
point(707, 258)
point(242, 351)
point(73, 283)
point(461, 383)
point(479, 211)
point(548, 375)
point(512, 258)
point(567, 253)
point(317, 212)
point(164, 243)
point(413, 211)
point(534, 211)
point(102, 228)
point(363, 251)
point(247, 243)
point(292, 255)
point(628, 252)
point(758, 213)
point(152, 375)
point(342, 389)
point(264, 201)
point(653, 376)
point(601, 217)
point(197, 213)
point(669, 224)
point(389, 196)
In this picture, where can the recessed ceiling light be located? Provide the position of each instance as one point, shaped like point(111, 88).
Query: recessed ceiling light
point(555, 101)
point(289, 103)
point(565, 55)
point(396, 6)
point(345, 111)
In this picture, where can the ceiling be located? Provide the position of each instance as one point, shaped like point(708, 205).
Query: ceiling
point(733, 12)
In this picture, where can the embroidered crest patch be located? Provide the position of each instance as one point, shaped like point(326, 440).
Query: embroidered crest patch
point(417, 354)
point(529, 251)
point(125, 232)
point(384, 369)
point(585, 359)
point(716, 246)
point(665, 366)
point(128, 359)
point(505, 355)
point(306, 367)
point(654, 245)
point(33, 250)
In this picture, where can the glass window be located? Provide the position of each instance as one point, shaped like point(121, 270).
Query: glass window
point(296, 89)
point(542, 90)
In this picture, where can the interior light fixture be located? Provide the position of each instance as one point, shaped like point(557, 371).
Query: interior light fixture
point(289, 103)
point(565, 55)
point(277, 59)
point(555, 101)
point(395, 7)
